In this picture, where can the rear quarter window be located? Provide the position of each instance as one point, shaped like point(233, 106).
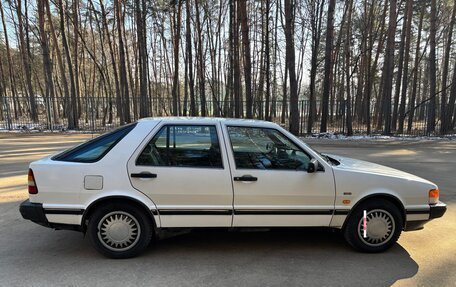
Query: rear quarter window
point(95, 149)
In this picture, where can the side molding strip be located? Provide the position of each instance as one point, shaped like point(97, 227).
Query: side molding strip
point(64, 211)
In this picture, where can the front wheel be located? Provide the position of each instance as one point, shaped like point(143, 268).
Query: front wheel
point(120, 231)
point(383, 226)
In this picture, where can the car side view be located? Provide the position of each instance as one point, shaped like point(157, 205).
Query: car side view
point(125, 187)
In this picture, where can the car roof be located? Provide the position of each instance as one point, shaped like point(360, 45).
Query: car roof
point(206, 120)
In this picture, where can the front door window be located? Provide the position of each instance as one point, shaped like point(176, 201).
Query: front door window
point(267, 149)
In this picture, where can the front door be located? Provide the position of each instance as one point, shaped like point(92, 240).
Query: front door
point(270, 180)
point(183, 169)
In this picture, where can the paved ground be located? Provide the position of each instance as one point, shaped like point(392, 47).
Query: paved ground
point(31, 255)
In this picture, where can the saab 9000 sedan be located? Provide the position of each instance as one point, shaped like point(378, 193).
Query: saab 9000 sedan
point(126, 187)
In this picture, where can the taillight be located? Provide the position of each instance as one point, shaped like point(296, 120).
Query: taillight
point(32, 188)
point(434, 196)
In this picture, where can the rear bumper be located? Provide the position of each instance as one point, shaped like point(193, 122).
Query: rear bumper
point(435, 211)
point(35, 213)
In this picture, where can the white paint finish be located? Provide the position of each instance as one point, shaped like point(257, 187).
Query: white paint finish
point(61, 184)
point(280, 220)
point(277, 188)
point(196, 220)
point(131, 193)
point(64, 218)
point(185, 187)
point(414, 217)
point(63, 206)
point(337, 221)
point(93, 182)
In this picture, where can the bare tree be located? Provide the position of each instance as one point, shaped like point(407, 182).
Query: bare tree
point(328, 65)
point(247, 63)
point(388, 68)
point(432, 70)
point(290, 58)
point(26, 65)
point(444, 120)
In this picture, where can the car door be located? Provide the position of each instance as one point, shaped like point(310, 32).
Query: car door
point(184, 170)
point(270, 180)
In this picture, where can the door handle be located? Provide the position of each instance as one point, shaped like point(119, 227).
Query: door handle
point(245, 178)
point(144, 175)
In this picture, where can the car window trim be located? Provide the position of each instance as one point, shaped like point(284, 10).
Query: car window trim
point(159, 128)
point(269, 128)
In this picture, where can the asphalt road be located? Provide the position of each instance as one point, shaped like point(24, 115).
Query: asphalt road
point(31, 255)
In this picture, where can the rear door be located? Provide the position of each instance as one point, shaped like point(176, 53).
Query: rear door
point(270, 180)
point(183, 169)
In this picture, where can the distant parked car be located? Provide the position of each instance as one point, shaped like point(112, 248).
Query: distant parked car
point(125, 187)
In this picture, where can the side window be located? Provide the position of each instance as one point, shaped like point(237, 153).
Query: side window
point(183, 146)
point(263, 148)
point(95, 149)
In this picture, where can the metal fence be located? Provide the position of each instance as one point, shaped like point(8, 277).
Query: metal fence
point(97, 114)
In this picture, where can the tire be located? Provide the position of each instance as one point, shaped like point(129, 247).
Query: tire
point(120, 231)
point(384, 226)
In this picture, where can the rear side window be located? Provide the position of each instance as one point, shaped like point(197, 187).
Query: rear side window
point(183, 146)
point(95, 149)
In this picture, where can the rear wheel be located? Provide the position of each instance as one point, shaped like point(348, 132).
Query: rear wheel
point(120, 231)
point(384, 224)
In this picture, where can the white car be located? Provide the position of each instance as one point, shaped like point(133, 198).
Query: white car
point(126, 187)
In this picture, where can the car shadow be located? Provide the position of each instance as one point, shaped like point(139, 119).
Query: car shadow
point(294, 257)
point(290, 256)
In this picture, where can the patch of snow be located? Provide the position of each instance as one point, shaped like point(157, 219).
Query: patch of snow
point(337, 136)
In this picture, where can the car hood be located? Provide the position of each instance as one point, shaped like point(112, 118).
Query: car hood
point(361, 166)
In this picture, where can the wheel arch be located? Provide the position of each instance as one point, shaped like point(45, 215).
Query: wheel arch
point(386, 196)
point(116, 198)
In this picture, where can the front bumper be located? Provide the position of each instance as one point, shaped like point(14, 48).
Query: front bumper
point(435, 211)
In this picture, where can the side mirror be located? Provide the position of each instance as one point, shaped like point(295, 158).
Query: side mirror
point(312, 166)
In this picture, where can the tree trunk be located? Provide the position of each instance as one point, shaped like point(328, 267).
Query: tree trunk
point(113, 59)
point(201, 63)
point(189, 53)
point(12, 80)
point(416, 68)
point(72, 103)
point(327, 84)
point(399, 69)
point(267, 68)
point(177, 25)
point(247, 59)
point(47, 65)
point(76, 56)
point(141, 14)
point(236, 62)
point(26, 65)
point(444, 120)
point(125, 115)
point(388, 68)
point(408, 28)
point(432, 71)
point(348, 75)
point(316, 21)
point(290, 58)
